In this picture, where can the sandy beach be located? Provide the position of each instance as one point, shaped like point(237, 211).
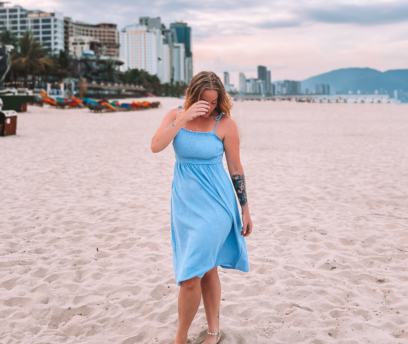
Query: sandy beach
point(85, 253)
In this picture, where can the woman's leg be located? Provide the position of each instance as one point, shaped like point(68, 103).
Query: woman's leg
point(188, 302)
point(211, 290)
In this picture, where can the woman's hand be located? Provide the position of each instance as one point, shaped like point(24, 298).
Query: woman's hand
point(172, 124)
point(197, 109)
point(246, 221)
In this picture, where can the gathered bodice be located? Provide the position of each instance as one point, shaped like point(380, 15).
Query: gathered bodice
point(200, 148)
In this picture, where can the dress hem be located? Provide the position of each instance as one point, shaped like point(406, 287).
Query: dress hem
point(230, 267)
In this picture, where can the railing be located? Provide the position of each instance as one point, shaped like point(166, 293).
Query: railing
point(339, 98)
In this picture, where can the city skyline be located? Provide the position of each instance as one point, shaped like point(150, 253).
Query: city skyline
point(148, 45)
point(295, 40)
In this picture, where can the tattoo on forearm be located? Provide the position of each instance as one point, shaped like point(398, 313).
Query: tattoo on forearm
point(239, 185)
point(218, 314)
point(171, 124)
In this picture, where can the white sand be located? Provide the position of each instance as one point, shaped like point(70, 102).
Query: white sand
point(85, 253)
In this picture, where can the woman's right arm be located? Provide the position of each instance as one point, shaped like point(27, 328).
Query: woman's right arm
point(172, 124)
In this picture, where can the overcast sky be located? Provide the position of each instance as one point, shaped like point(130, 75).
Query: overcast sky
point(295, 39)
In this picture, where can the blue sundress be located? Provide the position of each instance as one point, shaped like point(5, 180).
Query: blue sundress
point(205, 219)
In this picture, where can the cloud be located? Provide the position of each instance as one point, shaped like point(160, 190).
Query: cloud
point(230, 17)
point(294, 38)
point(276, 24)
point(373, 14)
point(218, 65)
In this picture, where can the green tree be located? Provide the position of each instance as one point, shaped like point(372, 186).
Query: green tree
point(9, 38)
point(142, 78)
point(175, 89)
point(64, 59)
point(61, 65)
point(31, 59)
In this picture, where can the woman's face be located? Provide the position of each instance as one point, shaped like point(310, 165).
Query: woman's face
point(211, 97)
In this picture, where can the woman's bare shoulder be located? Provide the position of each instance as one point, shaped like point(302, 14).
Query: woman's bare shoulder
point(228, 128)
point(228, 123)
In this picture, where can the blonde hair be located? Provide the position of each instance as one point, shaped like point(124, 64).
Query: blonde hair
point(207, 81)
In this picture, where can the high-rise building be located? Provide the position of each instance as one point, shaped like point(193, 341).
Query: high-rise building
point(322, 89)
point(167, 59)
point(242, 83)
point(188, 69)
point(255, 86)
point(151, 23)
point(278, 88)
point(160, 51)
point(179, 62)
point(164, 47)
point(260, 87)
point(262, 71)
point(168, 41)
point(182, 35)
point(47, 27)
point(167, 63)
point(273, 89)
point(226, 79)
point(291, 87)
point(263, 75)
point(104, 35)
point(139, 48)
point(250, 85)
point(228, 87)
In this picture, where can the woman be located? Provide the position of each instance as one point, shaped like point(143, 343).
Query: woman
point(206, 227)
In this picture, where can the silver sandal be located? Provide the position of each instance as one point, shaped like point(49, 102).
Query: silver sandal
point(218, 334)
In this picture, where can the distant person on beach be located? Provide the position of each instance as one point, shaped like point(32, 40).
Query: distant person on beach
point(206, 228)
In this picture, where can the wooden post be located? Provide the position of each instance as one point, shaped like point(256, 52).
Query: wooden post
point(82, 88)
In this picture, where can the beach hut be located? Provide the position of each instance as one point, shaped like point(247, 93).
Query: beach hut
point(8, 123)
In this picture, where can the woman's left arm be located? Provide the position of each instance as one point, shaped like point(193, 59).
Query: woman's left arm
point(231, 146)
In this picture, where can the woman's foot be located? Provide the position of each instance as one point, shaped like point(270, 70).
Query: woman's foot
point(181, 339)
point(212, 339)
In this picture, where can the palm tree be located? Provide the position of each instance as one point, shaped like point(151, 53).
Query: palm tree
point(61, 65)
point(9, 38)
point(30, 60)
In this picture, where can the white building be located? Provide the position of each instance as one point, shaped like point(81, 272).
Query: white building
point(250, 85)
point(188, 69)
point(255, 86)
point(79, 44)
point(230, 88)
point(143, 48)
point(178, 62)
point(47, 28)
point(167, 64)
point(242, 83)
point(280, 89)
point(151, 47)
point(226, 79)
point(139, 48)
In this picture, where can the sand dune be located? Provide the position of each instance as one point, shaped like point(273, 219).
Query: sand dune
point(85, 253)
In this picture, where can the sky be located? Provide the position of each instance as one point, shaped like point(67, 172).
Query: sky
point(294, 39)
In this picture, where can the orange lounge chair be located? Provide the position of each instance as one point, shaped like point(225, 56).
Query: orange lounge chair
point(107, 105)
